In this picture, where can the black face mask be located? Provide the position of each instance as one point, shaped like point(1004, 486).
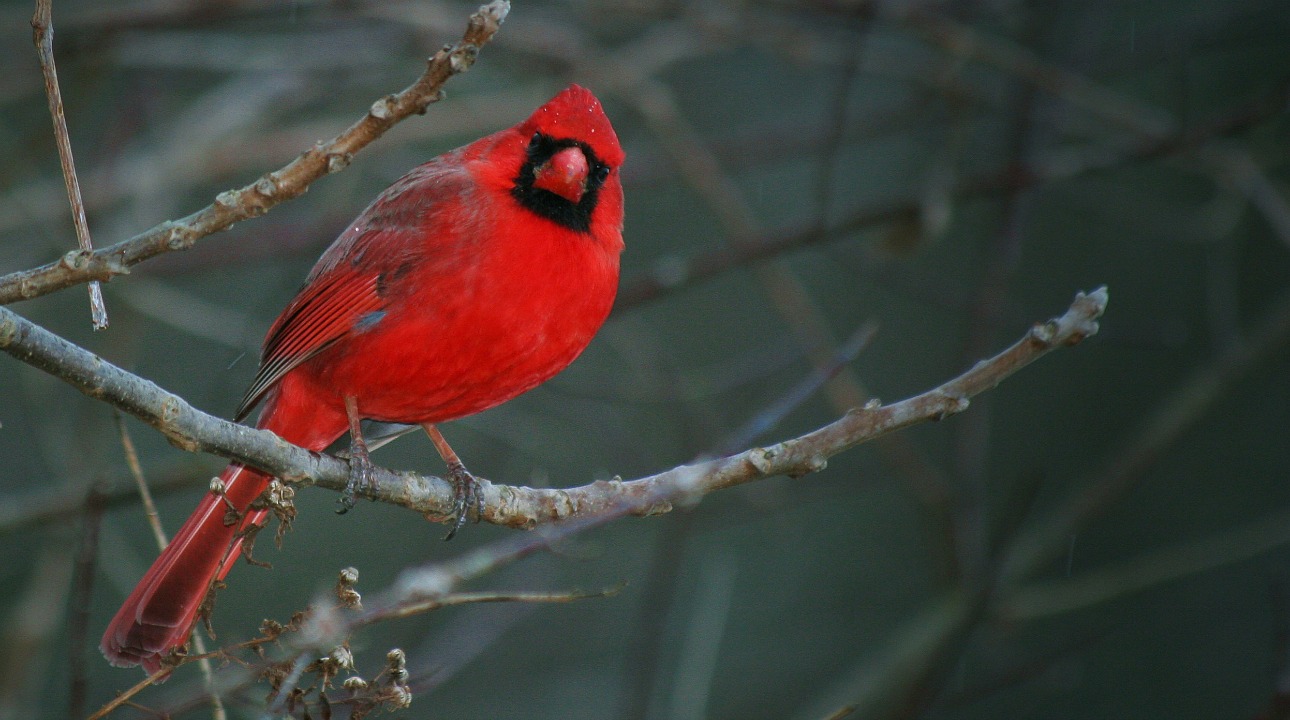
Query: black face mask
point(574, 216)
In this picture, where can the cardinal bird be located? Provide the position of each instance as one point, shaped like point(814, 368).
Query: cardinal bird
point(472, 279)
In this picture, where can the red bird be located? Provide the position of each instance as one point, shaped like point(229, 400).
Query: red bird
point(472, 279)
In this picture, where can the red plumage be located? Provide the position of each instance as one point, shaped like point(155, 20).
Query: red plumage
point(472, 279)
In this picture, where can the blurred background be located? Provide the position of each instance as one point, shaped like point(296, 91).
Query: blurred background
point(1107, 534)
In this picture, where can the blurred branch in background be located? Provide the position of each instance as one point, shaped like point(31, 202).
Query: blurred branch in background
point(679, 273)
point(896, 682)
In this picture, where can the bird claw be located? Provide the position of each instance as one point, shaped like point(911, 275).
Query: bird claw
point(360, 477)
point(465, 493)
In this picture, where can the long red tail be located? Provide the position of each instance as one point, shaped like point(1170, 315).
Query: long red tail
point(160, 612)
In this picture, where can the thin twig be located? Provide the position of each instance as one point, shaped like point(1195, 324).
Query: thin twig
point(699, 652)
point(42, 26)
point(773, 414)
point(140, 483)
point(277, 702)
point(273, 188)
point(702, 170)
point(1239, 169)
point(124, 697)
point(424, 606)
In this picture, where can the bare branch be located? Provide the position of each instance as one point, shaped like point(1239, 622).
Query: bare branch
point(275, 187)
point(466, 598)
point(125, 696)
point(140, 483)
point(42, 26)
point(516, 506)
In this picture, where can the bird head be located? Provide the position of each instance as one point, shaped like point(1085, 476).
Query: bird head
point(569, 172)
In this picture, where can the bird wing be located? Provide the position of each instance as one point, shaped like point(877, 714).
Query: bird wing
point(325, 310)
point(359, 274)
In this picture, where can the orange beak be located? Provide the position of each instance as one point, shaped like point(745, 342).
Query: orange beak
point(565, 174)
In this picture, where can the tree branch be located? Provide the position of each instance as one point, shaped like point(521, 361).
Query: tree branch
point(524, 507)
point(259, 197)
point(42, 26)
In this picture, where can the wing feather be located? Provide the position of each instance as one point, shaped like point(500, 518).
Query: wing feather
point(324, 311)
point(397, 232)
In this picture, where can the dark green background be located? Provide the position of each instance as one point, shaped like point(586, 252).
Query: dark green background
point(781, 599)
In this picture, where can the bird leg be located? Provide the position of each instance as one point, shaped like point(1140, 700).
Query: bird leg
point(360, 463)
point(465, 487)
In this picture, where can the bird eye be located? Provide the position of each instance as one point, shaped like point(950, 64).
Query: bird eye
point(602, 172)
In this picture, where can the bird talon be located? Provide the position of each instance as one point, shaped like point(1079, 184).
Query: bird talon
point(465, 492)
point(360, 477)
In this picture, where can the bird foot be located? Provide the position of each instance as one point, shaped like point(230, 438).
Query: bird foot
point(360, 476)
point(465, 494)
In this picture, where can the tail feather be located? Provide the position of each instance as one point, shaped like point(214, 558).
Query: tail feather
point(160, 613)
